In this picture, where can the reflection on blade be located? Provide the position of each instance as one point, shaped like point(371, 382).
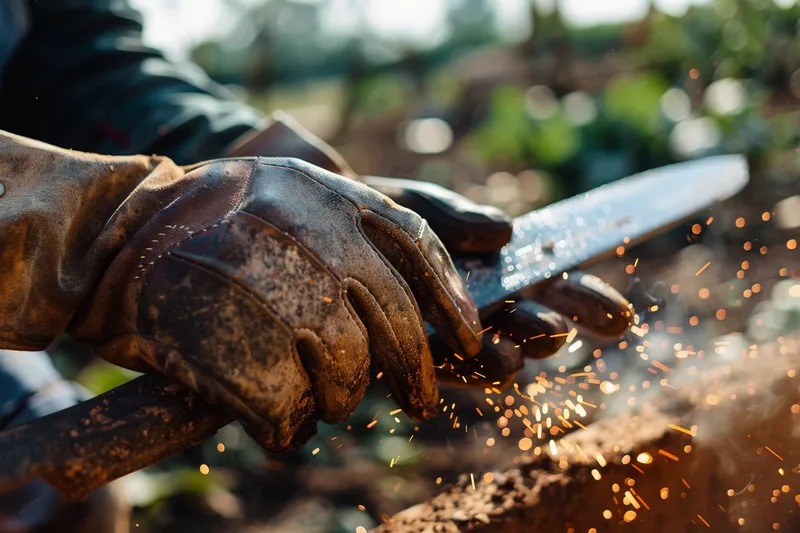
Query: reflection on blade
point(588, 226)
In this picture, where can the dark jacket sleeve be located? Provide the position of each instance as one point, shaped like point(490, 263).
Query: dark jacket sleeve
point(83, 79)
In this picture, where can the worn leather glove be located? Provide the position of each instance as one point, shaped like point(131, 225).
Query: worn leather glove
point(263, 284)
point(535, 327)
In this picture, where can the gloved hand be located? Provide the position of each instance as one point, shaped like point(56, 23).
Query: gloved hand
point(263, 284)
point(533, 328)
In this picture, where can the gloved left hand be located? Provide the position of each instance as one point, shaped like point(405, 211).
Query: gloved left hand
point(535, 328)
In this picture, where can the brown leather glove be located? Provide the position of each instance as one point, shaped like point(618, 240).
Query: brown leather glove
point(263, 284)
point(533, 328)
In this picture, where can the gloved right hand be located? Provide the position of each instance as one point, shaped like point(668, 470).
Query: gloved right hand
point(263, 284)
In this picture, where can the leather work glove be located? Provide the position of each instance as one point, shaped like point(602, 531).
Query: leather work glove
point(535, 328)
point(263, 284)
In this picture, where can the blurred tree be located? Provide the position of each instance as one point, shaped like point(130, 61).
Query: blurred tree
point(470, 22)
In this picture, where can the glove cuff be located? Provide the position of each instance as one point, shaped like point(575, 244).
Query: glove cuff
point(55, 232)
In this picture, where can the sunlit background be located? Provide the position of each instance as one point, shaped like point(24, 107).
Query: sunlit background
point(178, 25)
point(508, 91)
point(516, 103)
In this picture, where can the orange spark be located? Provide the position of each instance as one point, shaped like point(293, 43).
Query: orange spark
point(773, 452)
point(702, 269)
point(669, 455)
point(682, 430)
point(660, 366)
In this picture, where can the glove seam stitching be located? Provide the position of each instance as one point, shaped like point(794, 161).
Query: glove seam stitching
point(192, 234)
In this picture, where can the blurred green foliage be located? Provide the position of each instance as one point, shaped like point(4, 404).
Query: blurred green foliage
point(634, 100)
point(722, 77)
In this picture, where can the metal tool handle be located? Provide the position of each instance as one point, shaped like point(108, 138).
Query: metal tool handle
point(97, 441)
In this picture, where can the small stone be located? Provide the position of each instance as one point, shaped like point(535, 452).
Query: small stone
point(2, 190)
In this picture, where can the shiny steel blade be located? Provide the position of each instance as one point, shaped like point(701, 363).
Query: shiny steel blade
point(589, 226)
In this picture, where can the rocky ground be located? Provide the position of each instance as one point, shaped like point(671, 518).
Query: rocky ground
point(719, 450)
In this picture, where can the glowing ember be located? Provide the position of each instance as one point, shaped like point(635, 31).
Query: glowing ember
point(608, 387)
point(644, 458)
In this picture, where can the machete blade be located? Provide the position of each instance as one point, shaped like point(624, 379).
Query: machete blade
point(589, 226)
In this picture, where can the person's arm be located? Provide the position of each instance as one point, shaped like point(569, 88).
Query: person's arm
point(83, 79)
